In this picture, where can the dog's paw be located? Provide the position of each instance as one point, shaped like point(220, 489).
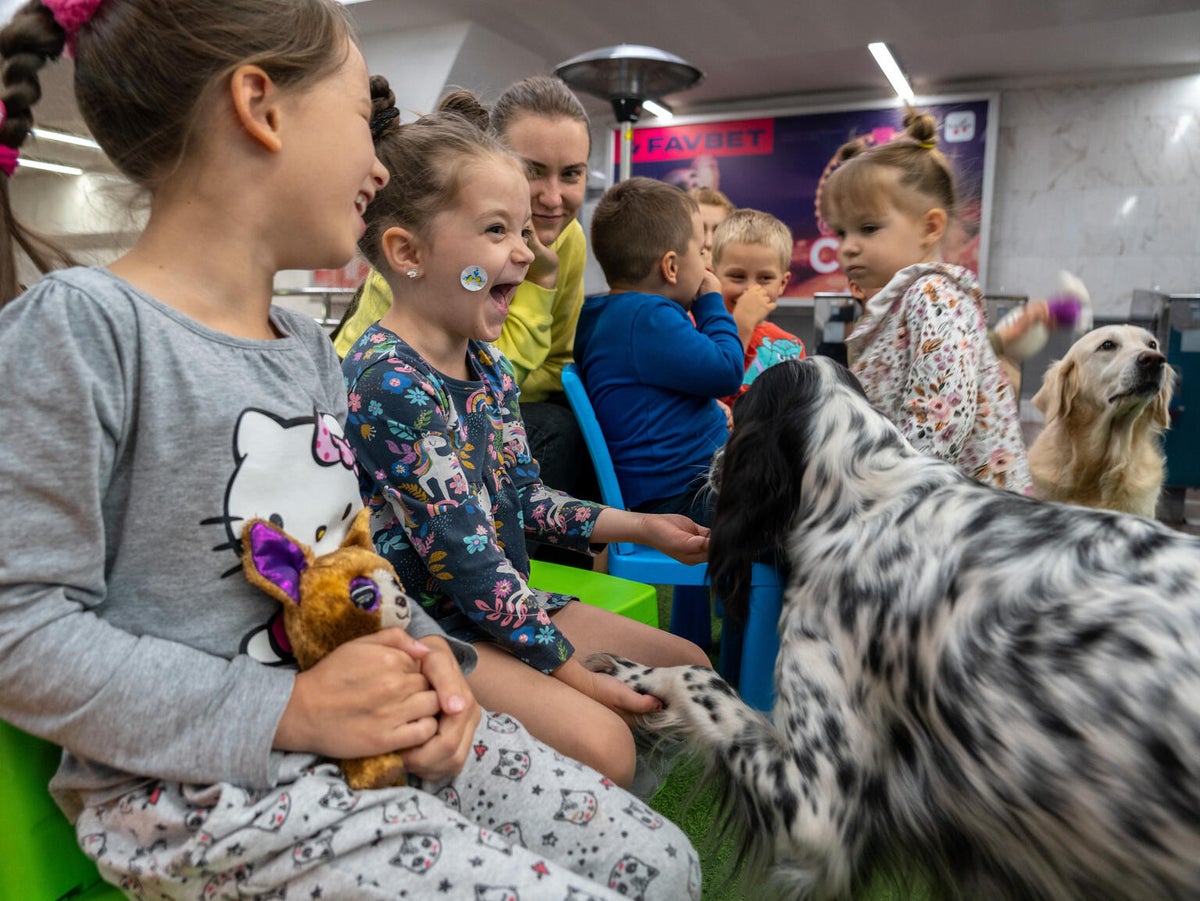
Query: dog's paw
point(646, 680)
point(611, 664)
point(691, 695)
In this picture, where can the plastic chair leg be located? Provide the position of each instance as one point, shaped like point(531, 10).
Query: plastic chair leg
point(690, 614)
point(729, 665)
point(760, 648)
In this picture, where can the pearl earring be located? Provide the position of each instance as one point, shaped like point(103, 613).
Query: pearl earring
point(413, 273)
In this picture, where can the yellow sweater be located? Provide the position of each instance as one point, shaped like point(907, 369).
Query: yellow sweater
point(539, 334)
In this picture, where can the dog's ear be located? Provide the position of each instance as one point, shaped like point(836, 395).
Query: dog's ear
point(1160, 407)
point(761, 470)
point(1060, 384)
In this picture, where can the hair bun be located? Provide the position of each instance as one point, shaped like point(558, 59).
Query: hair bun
point(921, 127)
point(385, 118)
point(850, 150)
point(465, 104)
point(381, 93)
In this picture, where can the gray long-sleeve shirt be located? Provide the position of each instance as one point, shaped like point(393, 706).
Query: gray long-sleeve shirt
point(133, 444)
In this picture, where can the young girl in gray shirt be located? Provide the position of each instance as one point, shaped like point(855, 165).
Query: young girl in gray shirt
point(150, 408)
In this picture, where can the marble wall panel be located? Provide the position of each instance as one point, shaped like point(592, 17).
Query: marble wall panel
point(1103, 180)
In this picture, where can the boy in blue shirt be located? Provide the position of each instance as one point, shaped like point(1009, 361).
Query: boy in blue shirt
point(654, 372)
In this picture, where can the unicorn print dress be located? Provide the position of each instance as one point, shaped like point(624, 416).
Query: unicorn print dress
point(445, 467)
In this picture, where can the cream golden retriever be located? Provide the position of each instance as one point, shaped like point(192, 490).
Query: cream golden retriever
point(1105, 405)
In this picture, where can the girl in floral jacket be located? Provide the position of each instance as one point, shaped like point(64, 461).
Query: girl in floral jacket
point(921, 349)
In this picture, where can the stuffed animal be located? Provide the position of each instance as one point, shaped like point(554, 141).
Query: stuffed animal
point(327, 601)
point(1025, 330)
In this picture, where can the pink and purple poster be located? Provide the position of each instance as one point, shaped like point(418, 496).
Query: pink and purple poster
point(776, 162)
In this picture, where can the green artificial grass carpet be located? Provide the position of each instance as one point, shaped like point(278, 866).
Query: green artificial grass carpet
point(695, 811)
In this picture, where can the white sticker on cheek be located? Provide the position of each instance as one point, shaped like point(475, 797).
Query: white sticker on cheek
point(474, 278)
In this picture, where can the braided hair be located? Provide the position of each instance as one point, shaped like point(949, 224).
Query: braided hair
point(30, 40)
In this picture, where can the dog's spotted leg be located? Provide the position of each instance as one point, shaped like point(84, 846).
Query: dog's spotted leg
point(790, 784)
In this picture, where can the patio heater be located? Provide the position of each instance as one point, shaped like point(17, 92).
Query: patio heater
point(626, 75)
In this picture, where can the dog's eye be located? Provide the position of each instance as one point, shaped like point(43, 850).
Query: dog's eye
point(1153, 345)
point(1108, 345)
point(364, 594)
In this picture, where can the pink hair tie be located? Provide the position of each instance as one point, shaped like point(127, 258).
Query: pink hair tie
point(8, 159)
point(8, 155)
point(71, 15)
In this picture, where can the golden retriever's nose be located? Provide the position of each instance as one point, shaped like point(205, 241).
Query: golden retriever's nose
point(1150, 361)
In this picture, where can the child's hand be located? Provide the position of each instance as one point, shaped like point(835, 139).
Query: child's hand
point(676, 535)
point(708, 284)
point(444, 755)
point(607, 690)
point(728, 411)
point(367, 697)
point(543, 271)
point(753, 307)
point(620, 698)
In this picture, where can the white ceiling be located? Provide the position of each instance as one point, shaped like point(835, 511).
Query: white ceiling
point(761, 48)
point(752, 49)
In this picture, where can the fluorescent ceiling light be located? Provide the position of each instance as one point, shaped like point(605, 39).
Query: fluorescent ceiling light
point(658, 110)
point(891, 69)
point(62, 137)
point(49, 167)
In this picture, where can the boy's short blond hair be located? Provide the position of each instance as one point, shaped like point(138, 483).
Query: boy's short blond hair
point(746, 226)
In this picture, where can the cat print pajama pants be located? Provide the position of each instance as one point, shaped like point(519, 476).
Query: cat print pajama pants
point(521, 822)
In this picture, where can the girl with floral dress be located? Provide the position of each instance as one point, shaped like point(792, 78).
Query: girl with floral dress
point(443, 458)
point(921, 348)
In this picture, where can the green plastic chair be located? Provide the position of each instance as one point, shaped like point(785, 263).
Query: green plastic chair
point(636, 600)
point(40, 859)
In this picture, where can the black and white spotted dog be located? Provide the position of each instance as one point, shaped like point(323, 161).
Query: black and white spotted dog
point(999, 693)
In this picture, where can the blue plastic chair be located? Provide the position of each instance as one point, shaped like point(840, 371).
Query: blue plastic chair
point(749, 652)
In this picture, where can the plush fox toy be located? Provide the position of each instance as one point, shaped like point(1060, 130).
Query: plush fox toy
point(327, 601)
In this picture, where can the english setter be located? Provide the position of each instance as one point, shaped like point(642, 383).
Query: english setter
point(998, 692)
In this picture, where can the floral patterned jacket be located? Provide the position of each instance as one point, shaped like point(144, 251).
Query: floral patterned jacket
point(922, 354)
point(445, 467)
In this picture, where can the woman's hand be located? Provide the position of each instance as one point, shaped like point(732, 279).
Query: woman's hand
point(444, 755)
point(543, 271)
point(367, 697)
point(607, 690)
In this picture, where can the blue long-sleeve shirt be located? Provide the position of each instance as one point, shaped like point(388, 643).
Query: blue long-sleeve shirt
point(653, 377)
